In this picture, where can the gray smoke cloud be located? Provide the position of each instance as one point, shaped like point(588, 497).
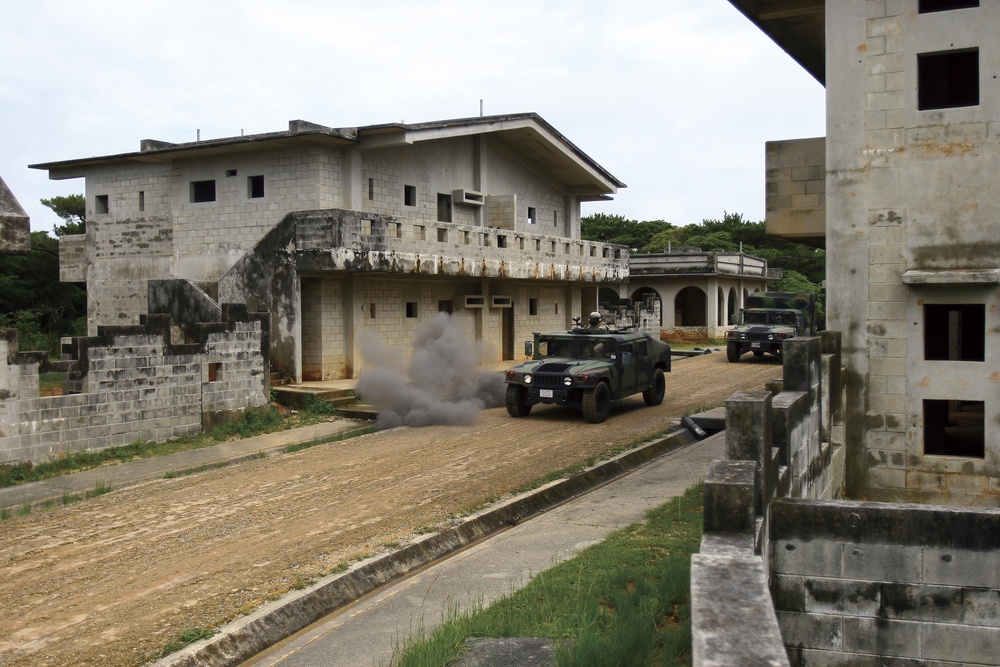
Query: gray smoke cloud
point(441, 384)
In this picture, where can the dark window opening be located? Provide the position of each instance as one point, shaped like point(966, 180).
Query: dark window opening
point(142, 200)
point(531, 215)
point(444, 207)
point(442, 235)
point(955, 332)
point(202, 191)
point(371, 311)
point(101, 204)
point(446, 306)
point(255, 187)
point(948, 80)
point(555, 218)
point(928, 6)
point(230, 172)
point(411, 309)
point(954, 428)
point(213, 371)
point(501, 241)
point(532, 306)
point(371, 189)
point(409, 195)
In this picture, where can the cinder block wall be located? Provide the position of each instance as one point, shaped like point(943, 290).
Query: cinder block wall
point(885, 583)
point(138, 386)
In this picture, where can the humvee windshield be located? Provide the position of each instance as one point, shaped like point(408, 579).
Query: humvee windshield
point(754, 317)
point(769, 317)
point(576, 348)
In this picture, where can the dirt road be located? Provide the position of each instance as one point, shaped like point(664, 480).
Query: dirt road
point(110, 581)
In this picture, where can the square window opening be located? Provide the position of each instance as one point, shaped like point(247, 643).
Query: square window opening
point(409, 195)
point(101, 205)
point(929, 6)
point(955, 332)
point(954, 428)
point(446, 306)
point(411, 309)
point(501, 241)
point(202, 191)
point(255, 187)
point(442, 235)
point(532, 306)
point(948, 80)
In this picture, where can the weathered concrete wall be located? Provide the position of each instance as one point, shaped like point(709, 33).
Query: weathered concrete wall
point(383, 263)
point(15, 230)
point(775, 447)
point(136, 384)
point(795, 201)
point(885, 583)
point(909, 191)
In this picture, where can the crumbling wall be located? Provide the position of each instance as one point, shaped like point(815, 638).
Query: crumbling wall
point(777, 445)
point(135, 383)
point(15, 231)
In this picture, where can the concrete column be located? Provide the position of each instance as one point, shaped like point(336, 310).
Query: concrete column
point(353, 187)
point(351, 295)
point(748, 436)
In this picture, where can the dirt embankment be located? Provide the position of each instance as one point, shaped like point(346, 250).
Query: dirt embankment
point(109, 581)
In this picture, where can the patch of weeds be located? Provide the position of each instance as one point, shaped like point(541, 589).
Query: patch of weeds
point(48, 504)
point(25, 510)
point(317, 407)
point(170, 474)
point(70, 498)
point(5, 514)
point(99, 489)
point(300, 583)
point(392, 546)
point(186, 637)
point(424, 530)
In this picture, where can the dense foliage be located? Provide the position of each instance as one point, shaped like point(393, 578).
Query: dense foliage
point(32, 299)
point(804, 267)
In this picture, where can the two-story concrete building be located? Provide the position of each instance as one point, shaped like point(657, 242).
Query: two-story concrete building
point(351, 234)
point(904, 194)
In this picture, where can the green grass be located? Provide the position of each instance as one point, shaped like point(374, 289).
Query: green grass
point(624, 601)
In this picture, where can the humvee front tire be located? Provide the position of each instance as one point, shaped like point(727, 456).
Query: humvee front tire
point(597, 403)
point(654, 395)
point(516, 405)
point(733, 352)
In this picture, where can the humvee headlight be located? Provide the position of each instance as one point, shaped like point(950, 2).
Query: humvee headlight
point(770, 336)
point(567, 380)
point(527, 379)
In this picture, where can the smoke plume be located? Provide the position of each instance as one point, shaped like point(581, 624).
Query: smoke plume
point(442, 383)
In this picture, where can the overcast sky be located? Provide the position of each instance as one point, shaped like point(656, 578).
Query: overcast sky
point(674, 97)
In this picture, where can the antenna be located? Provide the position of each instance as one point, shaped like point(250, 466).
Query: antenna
point(480, 107)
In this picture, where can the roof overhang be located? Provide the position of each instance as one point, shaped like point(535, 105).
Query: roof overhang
point(527, 136)
point(797, 26)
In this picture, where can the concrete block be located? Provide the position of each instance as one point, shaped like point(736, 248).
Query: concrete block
point(729, 594)
point(729, 493)
point(811, 630)
point(882, 637)
point(817, 558)
point(962, 644)
point(960, 567)
point(981, 607)
point(880, 562)
point(916, 602)
point(788, 592)
point(845, 597)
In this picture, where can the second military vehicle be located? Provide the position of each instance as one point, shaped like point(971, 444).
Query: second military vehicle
point(768, 319)
point(587, 369)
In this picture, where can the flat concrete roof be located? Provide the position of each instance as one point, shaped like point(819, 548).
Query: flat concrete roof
point(797, 26)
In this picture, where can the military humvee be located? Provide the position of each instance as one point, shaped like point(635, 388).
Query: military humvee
point(767, 320)
point(587, 369)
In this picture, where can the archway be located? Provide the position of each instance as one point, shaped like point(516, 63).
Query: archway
point(733, 306)
point(689, 308)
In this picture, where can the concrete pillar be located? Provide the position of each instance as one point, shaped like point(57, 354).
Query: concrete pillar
point(352, 180)
point(748, 436)
point(351, 295)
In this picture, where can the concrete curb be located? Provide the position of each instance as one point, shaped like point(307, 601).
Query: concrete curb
point(248, 636)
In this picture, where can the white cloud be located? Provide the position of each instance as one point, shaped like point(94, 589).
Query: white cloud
point(674, 98)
